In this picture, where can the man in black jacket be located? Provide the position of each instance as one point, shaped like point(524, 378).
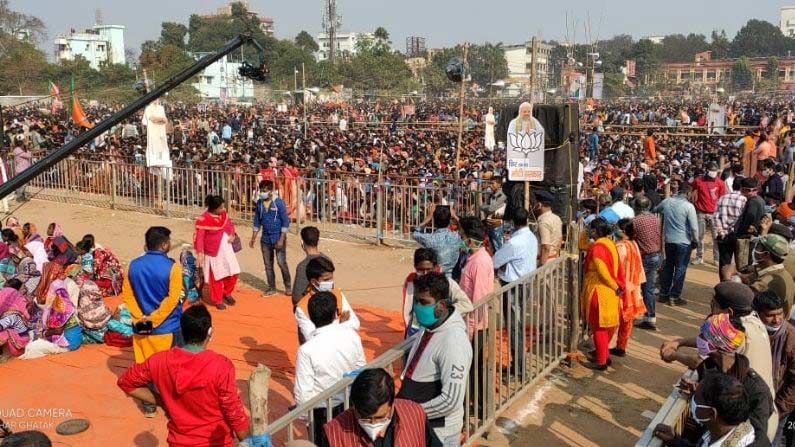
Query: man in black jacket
point(747, 225)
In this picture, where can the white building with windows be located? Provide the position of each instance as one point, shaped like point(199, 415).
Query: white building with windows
point(788, 21)
point(222, 82)
point(520, 62)
point(345, 44)
point(99, 45)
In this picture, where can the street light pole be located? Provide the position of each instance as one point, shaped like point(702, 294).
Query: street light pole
point(303, 96)
point(462, 95)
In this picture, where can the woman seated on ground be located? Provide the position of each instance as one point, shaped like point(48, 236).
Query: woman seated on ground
point(29, 276)
point(12, 223)
point(92, 313)
point(35, 244)
point(58, 324)
point(107, 271)
point(15, 320)
point(9, 256)
point(85, 258)
point(59, 249)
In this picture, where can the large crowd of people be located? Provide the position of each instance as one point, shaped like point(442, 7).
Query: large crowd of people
point(646, 202)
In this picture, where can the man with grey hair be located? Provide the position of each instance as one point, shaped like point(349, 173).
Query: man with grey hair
point(525, 146)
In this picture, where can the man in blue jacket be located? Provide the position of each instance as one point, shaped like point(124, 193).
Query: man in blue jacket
point(271, 216)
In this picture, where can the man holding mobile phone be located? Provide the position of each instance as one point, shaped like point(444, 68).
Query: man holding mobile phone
point(152, 294)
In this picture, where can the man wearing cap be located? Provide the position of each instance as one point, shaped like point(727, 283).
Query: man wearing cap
point(550, 227)
point(767, 272)
point(747, 225)
point(681, 231)
point(618, 210)
point(707, 189)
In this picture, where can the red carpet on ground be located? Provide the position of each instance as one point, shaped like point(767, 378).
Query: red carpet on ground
point(39, 394)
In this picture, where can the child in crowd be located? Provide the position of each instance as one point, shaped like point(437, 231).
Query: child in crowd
point(85, 256)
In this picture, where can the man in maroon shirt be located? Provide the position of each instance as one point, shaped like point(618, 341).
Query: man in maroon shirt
point(707, 189)
point(649, 239)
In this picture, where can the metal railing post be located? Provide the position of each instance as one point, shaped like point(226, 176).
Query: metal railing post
point(573, 302)
point(113, 182)
point(379, 213)
point(166, 181)
point(489, 391)
point(299, 204)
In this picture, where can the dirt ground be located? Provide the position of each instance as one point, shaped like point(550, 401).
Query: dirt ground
point(39, 394)
point(368, 274)
point(578, 407)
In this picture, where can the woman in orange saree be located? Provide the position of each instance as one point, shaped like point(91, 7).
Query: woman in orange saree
point(603, 282)
point(631, 264)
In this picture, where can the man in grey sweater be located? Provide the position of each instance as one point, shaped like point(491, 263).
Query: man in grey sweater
point(438, 364)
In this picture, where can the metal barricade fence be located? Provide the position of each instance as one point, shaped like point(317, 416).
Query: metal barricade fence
point(673, 413)
point(339, 204)
point(522, 332)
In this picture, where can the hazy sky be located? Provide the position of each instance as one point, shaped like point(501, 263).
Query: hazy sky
point(441, 22)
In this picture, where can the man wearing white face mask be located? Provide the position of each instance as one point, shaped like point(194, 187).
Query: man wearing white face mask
point(378, 419)
point(333, 351)
point(720, 403)
point(320, 273)
point(706, 192)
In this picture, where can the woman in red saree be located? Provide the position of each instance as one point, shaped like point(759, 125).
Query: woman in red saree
point(213, 241)
point(603, 283)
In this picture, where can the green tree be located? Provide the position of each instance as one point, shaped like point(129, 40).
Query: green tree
point(162, 62)
point(742, 76)
point(647, 60)
point(288, 57)
point(759, 38)
point(173, 34)
point(772, 71)
point(210, 33)
point(306, 42)
point(21, 67)
point(486, 62)
point(381, 33)
point(613, 52)
point(681, 48)
point(13, 23)
point(614, 86)
point(720, 45)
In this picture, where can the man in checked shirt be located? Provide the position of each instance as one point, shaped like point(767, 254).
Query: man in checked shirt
point(729, 208)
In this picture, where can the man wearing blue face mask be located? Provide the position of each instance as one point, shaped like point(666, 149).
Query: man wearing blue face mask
point(320, 273)
point(438, 364)
point(270, 214)
point(720, 404)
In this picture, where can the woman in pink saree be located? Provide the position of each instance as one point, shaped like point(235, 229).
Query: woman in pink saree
point(14, 323)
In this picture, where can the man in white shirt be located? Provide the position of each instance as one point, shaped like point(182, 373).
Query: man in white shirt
point(333, 351)
point(623, 210)
point(517, 258)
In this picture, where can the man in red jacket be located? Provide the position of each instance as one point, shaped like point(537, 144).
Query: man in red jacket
point(197, 388)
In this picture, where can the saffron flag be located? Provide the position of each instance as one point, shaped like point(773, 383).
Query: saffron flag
point(55, 93)
point(78, 115)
